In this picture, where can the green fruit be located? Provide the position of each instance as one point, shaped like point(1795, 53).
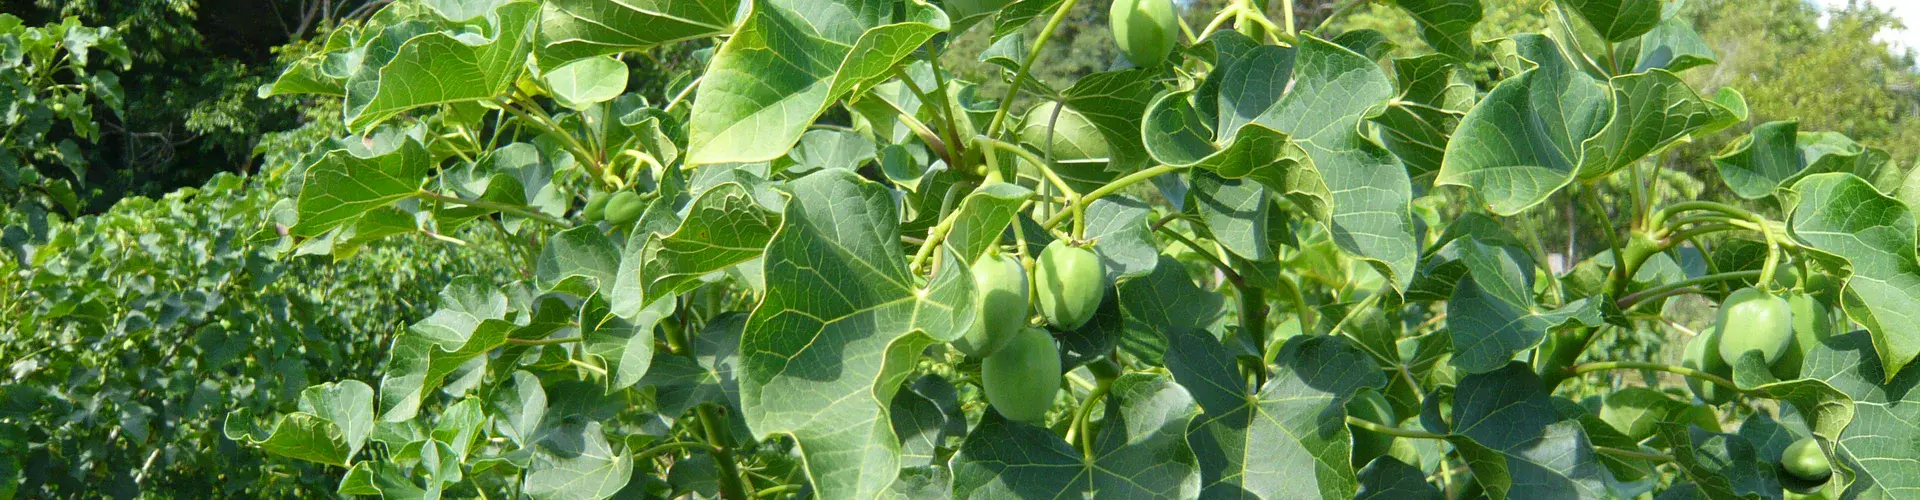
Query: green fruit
point(1811, 326)
point(1804, 461)
point(1022, 377)
point(624, 207)
point(1144, 29)
point(1703, 353)
point(1000, 285)
point(596, 207)
point(1701, 416)
point(1370, 406)
point(1752, 320)
point(1069, 284)
point(1080, 151)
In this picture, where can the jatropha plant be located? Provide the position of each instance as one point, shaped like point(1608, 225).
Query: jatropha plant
point(1253, 260)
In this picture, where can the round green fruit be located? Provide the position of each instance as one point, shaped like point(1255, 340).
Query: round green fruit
point(624, 207)
point(1811, 326)
point(1703, 353)
point(1144, 29)
point(1804, 461)
point(1022, 377)
point(1000, 285)
point(1370, 406)
point(596, 207)
point(1069, 284)
point(1752, 320)
point(1077, 147)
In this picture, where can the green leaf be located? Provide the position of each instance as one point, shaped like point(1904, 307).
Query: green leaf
point(1493, 315)
point(589, 81)
point(1139, 452)
point(1672, 45)
point(1115, 102)
point(577, 463)
point(578, 261)
point(1446, 25)
point(1434, 95)
point(841, 322)
point(469, 323)
point(925, 415)
point(1333, 90)
point(1390, 479)
point(1161, 303)
point(1516, 443)
point(982, 219)
point(519, 405)
point(342, 186)
point(1651, 111)
point(1721, 465)
point(623, 344)
point(772, 96)
point(1521, 143)
point(1617, 20)
point(1118, 227)
point(1844, 217)
point(820, 148)
point(1236, 213)
point(1287, 439)
point(725, 226)
point(444, 68)
point(683, 382)
point(1775, 155)
point(330, 428)
point(1876, 446)
point(578, 29)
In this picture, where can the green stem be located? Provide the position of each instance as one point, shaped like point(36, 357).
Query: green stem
point(1076, 206)
point(562, 340)
point(539, 118)
point(1633, 454)
point(1233, 277)
point(776, 490)
point(934, 237)
point(1085, 411)
point(1033, 54)
point(668, 448)
point(1253, 324)
point(721, 439)
point(1660, 217)
point(950, 132)
point(1639, 365)
point(1634, 299)
point(1392, 431)
point(920, 129)
point(1115, 186)
point(495, 206)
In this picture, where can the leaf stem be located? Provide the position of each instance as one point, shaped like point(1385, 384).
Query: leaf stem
point(1114, 186)
point(495, 206)
point(1033, 54)
point(1085, 411)
point(1391, 431)
point(1633, 454)
point(1075, 203)
point(670, 447)
point(1634, 299)
point(920, 129)
point(1640, 365)
point(552, 341)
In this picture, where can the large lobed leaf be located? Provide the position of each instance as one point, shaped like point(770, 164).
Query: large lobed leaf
point(1844, 217)
point(788, 62)
point(826, 349)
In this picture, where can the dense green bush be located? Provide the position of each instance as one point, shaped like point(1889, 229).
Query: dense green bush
point(129, 335)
